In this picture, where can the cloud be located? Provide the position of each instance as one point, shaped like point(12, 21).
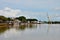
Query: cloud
point(57, 9)
point(8, 12)
point(38, 8)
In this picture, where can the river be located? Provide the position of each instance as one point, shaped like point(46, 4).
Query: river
point(31, 32)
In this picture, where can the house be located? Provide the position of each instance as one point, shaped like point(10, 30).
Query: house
point(16, 23)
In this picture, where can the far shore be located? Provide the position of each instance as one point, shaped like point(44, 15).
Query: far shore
point(7, 24)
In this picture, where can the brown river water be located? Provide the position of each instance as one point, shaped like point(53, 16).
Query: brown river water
point(31, 32)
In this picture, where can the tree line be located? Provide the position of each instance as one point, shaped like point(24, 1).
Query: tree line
point(21, 18)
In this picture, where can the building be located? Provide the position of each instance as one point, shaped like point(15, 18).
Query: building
point(16, 23)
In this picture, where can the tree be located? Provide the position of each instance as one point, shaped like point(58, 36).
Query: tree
point(9, 19)
point(3, 18)
point(32, 20)
point(21, 18)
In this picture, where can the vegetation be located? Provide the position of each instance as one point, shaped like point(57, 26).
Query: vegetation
point(31, 20)
point(21, 18)
point(9, 19)
point(2, 19)
point(52, 22)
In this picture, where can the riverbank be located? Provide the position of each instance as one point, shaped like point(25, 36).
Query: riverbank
point(3, 24)
point(7, 24)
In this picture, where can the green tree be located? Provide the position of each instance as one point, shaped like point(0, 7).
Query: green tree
point(9, 19)
point(22, 18)
point(3, 18)
point(32, 20)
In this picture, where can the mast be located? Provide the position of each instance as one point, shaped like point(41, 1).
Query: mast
point(48, 18)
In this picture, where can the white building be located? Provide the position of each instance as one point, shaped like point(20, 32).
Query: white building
point(16, 23)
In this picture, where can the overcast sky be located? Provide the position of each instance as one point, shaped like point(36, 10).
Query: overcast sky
point(31, 9)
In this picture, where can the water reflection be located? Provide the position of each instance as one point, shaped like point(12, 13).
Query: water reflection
point(31, 32)
point(21, 27)
point(48, 28)
point(32, 25)
point(3, 29)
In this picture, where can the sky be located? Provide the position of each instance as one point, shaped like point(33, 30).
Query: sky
point(31, 9)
